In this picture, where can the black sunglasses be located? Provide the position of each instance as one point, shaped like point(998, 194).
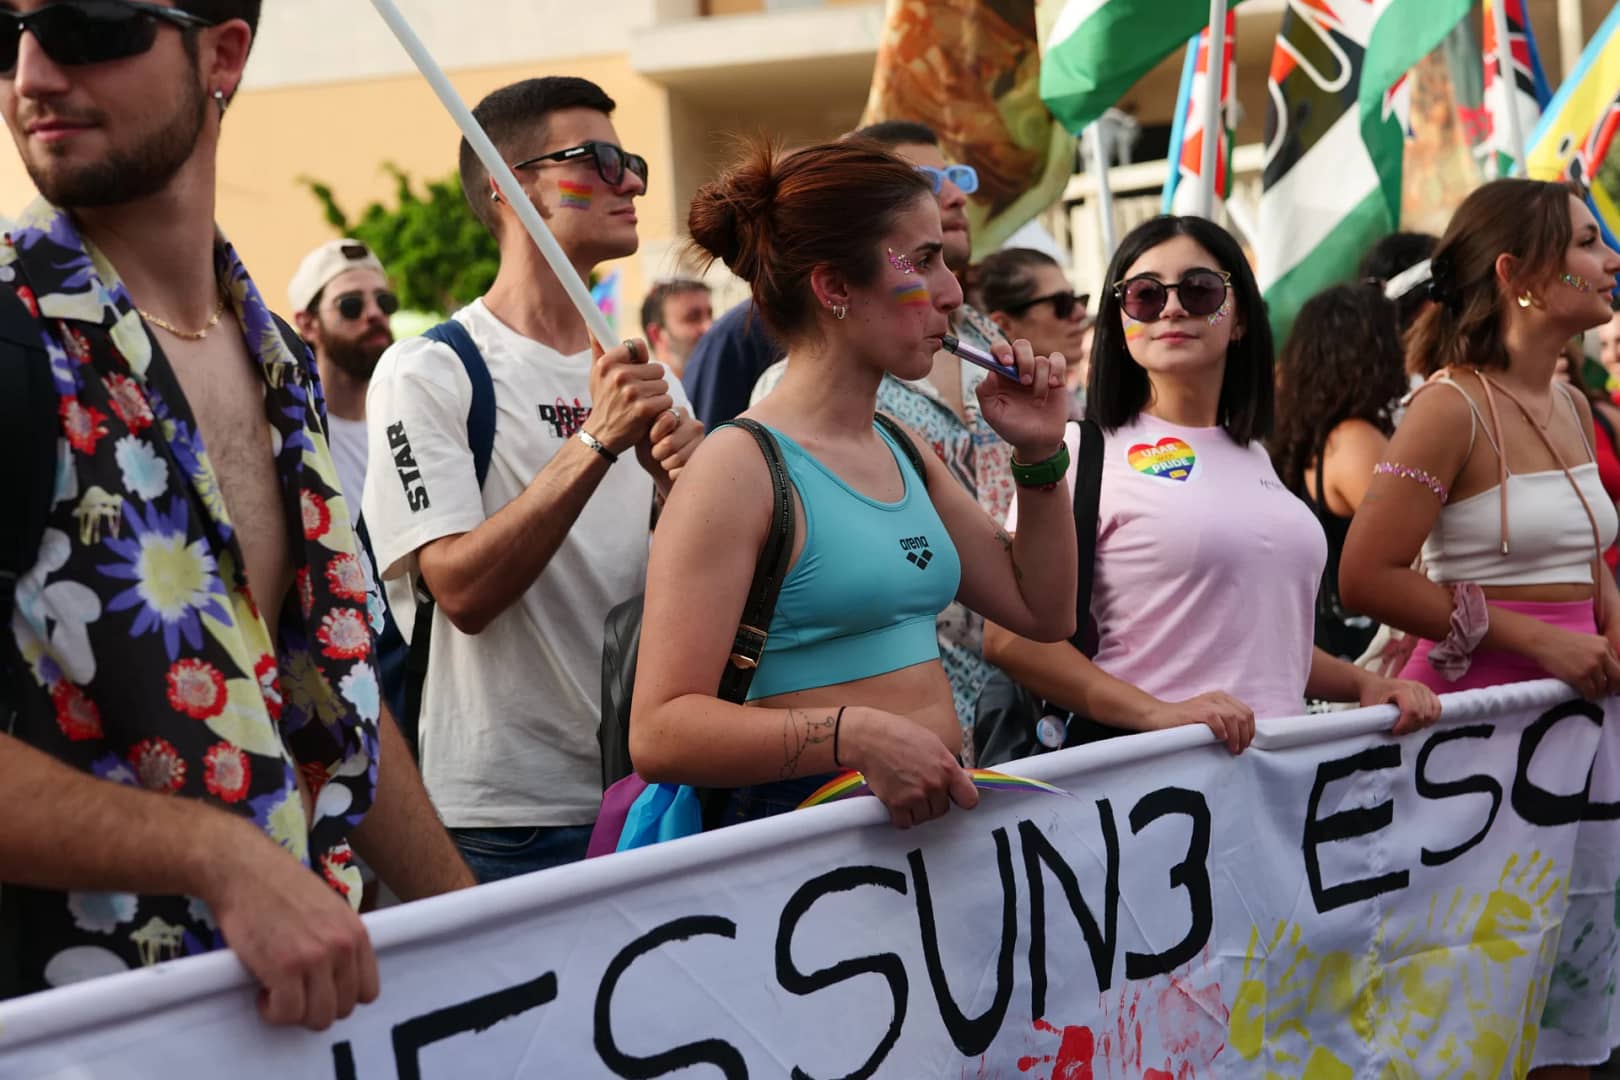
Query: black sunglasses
point(351, 304)
point(1202, 292)
point(1063, 303)
point(611, 161)
point(77, 32)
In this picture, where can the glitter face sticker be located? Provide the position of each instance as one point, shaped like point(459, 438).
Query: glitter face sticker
point(1219, 315)
point(1576, 282)
point(901, 262)
point(913, 294)
point(574, 195)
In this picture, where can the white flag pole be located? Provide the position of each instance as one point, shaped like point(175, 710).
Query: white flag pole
point(1214, 121)
point(510, 190)
point(1508, 83)
point(1096, 137)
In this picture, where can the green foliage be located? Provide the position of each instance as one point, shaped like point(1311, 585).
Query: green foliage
point(438, 256)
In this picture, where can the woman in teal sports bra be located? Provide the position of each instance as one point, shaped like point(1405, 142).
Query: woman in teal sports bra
point(841, 244)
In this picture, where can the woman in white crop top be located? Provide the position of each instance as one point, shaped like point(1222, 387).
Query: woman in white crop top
point(1491, 476)
point(1207, 566)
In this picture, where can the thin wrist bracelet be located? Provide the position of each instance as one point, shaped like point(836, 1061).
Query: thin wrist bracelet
point(1042, 473)
point(596, 444)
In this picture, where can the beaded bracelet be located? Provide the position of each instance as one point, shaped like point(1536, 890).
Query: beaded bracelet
point(1409, 472)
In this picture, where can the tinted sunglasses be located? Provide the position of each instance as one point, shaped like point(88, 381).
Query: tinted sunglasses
point(611, 161)
point(351, 304)
point(1063, 303)
point(965, 177)
point(1202, 292)
point(77, 32)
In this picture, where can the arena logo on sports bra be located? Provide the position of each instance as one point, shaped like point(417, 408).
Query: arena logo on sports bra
point(917, 551)
point(1168, 459)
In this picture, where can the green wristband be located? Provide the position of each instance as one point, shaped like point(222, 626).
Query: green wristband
point(1043, 473)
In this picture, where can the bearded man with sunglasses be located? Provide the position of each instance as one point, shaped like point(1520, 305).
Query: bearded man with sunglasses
point(192, 740)
point(525, 566)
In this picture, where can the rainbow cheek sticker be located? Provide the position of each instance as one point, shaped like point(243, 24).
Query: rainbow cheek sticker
point(574, 196)
point(1168, 459)
point(1576, 282)
point(1134, 330)
point(913, 294)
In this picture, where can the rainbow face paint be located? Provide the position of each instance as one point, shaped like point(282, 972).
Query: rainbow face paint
point(1576, 282)
point(1134, 330)
point(912, 294)
point(574, 195)
point(901, 262)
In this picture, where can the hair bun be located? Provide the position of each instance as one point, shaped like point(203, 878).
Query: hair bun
point(731, 216)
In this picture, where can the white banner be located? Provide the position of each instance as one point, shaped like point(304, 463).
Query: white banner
point(1333, 903)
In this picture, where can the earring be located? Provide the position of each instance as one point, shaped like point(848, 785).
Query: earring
point(1525, 299)
point(219, 100)
point(839, 311)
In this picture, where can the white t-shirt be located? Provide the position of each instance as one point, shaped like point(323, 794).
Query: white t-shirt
point(347, 438)
point(509, 717)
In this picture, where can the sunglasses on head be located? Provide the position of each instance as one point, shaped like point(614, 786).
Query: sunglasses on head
point(351, 304)
point(965, 177)
point(1202, 292)
point(77, 32)
point(1063, 303)
point(611, 161)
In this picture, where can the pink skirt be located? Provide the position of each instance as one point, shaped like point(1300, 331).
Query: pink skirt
point(1492, 667)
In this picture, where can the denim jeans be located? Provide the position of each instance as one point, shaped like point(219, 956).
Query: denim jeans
point(768, 800)
point(494, 854)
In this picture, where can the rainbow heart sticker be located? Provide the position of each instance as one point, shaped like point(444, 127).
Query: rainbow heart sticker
point(1168, 459)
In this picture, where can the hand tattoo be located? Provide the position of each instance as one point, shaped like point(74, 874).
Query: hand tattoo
point(797, 737)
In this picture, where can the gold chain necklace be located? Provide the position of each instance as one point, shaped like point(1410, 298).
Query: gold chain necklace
point(188, 335)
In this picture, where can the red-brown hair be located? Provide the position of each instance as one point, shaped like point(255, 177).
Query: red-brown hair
point(773, 218)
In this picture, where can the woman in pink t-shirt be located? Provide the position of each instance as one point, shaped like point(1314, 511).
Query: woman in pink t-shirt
point(1206, 565)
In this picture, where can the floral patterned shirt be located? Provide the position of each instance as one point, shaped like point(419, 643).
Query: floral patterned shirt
point(151, 664)
point(982, 461)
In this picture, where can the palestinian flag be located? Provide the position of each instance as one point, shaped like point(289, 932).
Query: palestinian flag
point(1335, 133)
point(1528, 94)
point(1096, 50)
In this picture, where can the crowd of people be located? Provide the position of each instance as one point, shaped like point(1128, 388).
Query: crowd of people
point(203, 746)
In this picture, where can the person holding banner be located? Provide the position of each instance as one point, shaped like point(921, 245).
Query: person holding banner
point(1206, 565)
point(843, 248)
point(194, 731)
point(1494, 482)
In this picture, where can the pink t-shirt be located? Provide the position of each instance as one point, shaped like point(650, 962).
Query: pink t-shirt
point(1207, 567)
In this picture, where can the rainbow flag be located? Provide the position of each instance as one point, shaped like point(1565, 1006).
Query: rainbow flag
point(1575, 138)
point(1529, 92)
point(1187, 133)
point(853, 783)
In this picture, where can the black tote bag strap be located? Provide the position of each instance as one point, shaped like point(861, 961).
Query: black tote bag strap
point(749, 644)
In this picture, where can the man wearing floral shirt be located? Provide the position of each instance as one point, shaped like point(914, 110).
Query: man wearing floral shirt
point(196, 731)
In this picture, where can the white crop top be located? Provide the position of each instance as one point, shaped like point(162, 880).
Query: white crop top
point(1551, 537)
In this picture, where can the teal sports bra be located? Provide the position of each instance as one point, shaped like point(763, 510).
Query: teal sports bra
point(870, 580)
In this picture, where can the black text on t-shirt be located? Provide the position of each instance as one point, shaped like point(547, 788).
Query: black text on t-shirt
point(405, 463)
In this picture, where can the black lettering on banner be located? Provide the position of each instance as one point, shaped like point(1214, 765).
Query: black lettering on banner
point(972, 1035)
point(888, 965)
point(1039, 852)
point(479, 1014)
point(1346, 825)
point(717, 1052)
point(343, 1061)
point(1536, 804)
point(1450, 789)
point(1191, 873)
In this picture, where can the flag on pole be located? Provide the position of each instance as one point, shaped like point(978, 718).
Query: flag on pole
point(1096, 50)
point(1335, 134)
point(1187, 133)
point(1576, 136)
point(1529, 92)
point(970, 69)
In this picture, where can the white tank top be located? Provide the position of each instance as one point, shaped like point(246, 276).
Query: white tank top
point(1551, 536)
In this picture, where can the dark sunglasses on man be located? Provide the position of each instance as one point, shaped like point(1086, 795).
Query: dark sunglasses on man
point(611, 161)
point(350, 305)
point(1063, 303)
point(77, 32)
point(1202, 292)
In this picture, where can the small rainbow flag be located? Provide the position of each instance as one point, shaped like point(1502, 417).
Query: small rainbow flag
point(912, 294)
point(853, 783)
point(575, 196)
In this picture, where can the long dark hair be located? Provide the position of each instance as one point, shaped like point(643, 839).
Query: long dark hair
point(1343, 361)
point(1119, 389)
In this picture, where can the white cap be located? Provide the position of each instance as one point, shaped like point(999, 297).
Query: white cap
point(325, 263)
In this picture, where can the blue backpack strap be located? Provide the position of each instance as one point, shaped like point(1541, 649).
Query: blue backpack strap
point(481, 414)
